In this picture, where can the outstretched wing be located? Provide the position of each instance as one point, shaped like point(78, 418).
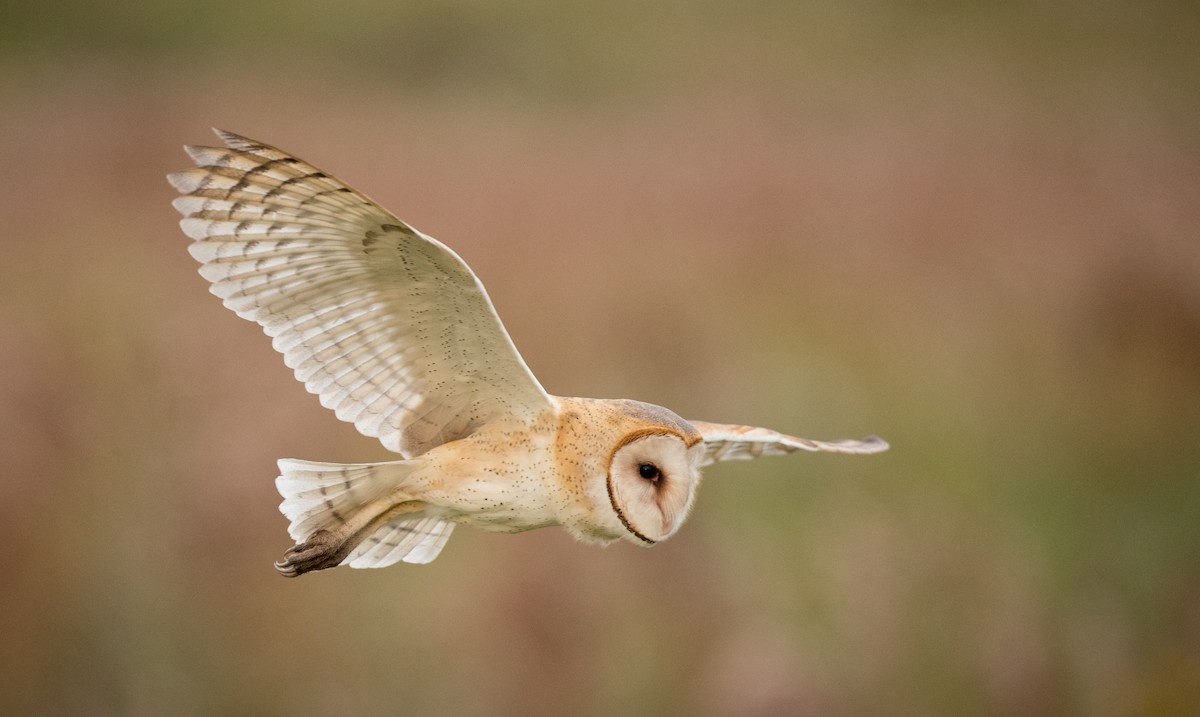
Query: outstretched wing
point(728, 443)
point(388, 326)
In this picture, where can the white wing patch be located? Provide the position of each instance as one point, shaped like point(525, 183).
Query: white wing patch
point(388, 326)
point(723, 442)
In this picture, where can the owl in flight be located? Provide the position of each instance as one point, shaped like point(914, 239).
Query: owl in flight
point(396, 334)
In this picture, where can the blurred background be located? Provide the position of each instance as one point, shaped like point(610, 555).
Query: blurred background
point(969, 228)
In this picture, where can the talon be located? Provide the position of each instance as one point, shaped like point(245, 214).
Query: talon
point(322, 550)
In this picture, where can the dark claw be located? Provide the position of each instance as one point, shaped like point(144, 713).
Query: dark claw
point(322, 550)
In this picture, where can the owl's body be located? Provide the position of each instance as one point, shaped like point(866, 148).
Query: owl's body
point(510, 478)
point(396, 334)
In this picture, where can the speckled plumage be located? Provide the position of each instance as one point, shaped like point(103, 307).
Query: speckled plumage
point(392, 330)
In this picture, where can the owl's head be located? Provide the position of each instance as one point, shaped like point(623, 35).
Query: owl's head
point(652, 479)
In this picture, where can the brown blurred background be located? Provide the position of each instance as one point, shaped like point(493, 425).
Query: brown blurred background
point(973, 230)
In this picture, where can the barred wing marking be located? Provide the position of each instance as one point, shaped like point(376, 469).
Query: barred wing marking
point(724, 442)
point(388, 326)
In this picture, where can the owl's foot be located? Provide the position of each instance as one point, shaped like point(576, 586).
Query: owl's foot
point(322, 550)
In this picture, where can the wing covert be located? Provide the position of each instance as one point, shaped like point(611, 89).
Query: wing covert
point(389, 327)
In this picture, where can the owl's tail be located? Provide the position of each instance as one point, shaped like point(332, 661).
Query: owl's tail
point(347, 514)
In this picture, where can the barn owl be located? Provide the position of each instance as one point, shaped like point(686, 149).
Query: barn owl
point(396, 334)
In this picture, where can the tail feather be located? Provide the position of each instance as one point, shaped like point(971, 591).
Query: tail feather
point(412, 538)
point(325, 495)
point(319, 496)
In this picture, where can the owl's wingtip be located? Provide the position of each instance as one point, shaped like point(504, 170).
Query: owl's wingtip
point(874, 444)
point(234, 140)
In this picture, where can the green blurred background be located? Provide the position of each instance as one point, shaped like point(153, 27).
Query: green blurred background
point(971, 229)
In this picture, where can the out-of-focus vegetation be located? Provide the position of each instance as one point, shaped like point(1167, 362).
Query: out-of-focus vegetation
point(974, 230)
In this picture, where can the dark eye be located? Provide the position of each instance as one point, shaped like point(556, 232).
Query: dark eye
point(650, 472)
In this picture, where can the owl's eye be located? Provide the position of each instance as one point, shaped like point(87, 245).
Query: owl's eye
point(650, 472)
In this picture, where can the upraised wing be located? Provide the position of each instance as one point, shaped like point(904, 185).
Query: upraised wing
point(388, 326)
point(724, 442)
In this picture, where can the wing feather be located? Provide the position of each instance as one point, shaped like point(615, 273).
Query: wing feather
point(725, 442)
point(388, 326)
